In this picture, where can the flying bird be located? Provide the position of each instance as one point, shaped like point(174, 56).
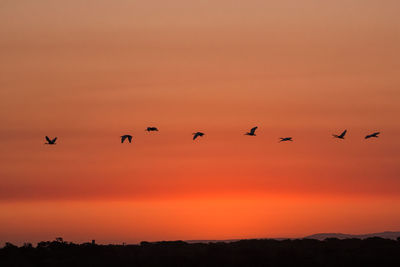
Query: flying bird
point(125, 137)
point(197, 134)
point(151, 129)
point(50, 142)
point(375, 135)
point(341, 136)
point(252, 131)
point(285, 139)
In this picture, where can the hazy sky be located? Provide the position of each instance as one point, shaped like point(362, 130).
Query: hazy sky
point(90, 71)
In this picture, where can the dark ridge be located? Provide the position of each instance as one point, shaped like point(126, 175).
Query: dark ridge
point(387, 235)
point(333, 252)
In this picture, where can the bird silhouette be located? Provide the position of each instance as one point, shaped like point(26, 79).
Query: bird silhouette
point(341, 136)
point(375, 135)
point(197, 134)
point(127, 136)
point(252, 131)
point(50, 141)
point(285, 139)
point(152, 129)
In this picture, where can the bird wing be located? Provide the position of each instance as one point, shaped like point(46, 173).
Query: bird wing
point(54, 140)
point(123, 138)
point(130, 139)
point(253, 130)
point(195, 136)
point(372, 135)
point(344, 133)
point(48, 139)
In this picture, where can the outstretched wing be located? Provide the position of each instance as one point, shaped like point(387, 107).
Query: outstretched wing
point(130, 139)
point(252, 131)
point(48, 139)
point(54, 140)
point(372, 135)
point(123, 139)
point(195, 136)
point(343, 134)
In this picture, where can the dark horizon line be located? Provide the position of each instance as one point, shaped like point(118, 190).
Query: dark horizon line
point(318, 236)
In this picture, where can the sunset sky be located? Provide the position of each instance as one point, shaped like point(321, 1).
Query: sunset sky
point(91, 71)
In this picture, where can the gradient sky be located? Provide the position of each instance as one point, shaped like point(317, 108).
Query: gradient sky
point(90, 71)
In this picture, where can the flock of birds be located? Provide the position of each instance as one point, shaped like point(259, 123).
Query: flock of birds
point(252, 132)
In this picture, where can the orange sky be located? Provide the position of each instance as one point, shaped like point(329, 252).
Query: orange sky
point(90, 71)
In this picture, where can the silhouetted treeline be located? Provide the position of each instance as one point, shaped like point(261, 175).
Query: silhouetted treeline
point(265, 252)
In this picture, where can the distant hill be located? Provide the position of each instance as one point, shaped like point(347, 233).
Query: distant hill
point(320, 236)
point(323, 236)
point(230, 240)
point(211, 241)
